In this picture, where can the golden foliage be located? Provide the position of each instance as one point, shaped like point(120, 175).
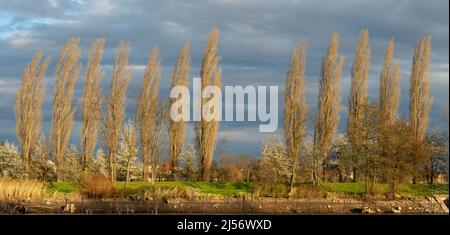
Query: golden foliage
point(389, 96)
point(206, 131)
point(177, 129)
point(66, 74)
point(121, 76)
point(147, 111)
point(358, 94)
point(92, 101)
point(329, 104)
point(295, 109)
point(420, 102)
point(28, 106)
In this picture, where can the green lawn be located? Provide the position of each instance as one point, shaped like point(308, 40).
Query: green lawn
point(140, 187)
point(417, 190)
point(234, 188)
point(63, 187)
point(202, 187)
point(420, 190)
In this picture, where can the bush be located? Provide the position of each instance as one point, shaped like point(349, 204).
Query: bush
point(308, 191)
point(44, 170)
point(98, 186)
point(168, 192)
point(72, 165)
point(11, 164)
point(271, 189)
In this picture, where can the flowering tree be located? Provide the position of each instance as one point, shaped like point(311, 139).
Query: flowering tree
point(11, 164)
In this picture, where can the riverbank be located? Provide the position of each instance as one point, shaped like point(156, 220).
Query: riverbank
point(429, 205)
point(34, 197)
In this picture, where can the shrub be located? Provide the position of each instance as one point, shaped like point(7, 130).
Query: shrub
point(308, 191)
point(271, 189)
point(159, 192)
point(99, 164)
point(44, 170)
point(11, 164)
point(98, 186)
point(72, 167)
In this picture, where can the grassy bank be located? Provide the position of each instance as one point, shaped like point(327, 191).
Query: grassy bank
point(214, 188)
point(415, 190)
point(236, 188)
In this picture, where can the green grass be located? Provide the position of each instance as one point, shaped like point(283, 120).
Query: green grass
point(421, 190)
point(416, 190)
point(63, 187)
point(224, 189)
point(352, 188)
point(235, 188)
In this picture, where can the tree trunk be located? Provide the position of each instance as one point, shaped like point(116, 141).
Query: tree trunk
point(128, 173)
point(59, 175)
point(174, 174)
point(292, 180)
point(205, 174)
point(315, 170)
point(112, 169)
point(431, 172)
point(354, 174)
point(373, 180)
point(248, 175)
point(144, 171)
point(365, 183)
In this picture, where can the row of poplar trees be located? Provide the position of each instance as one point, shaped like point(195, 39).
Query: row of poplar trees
point(106, 119)
point(327, 118)
point(104, 115)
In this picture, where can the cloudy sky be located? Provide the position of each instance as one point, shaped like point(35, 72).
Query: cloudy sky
point(256, 38)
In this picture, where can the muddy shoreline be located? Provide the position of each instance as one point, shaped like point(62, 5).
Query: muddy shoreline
point(430, 205)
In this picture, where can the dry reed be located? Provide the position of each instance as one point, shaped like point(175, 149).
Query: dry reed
point(19, 190)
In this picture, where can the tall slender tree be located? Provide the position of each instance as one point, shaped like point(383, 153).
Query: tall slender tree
point(358, 98)
point(121, 76)
point(295, 109)
point(147, 112)
point(329, 104)
point(389, 94)
point(91, 102)
point(420, 103)
point(66, 74)
point(177, 129)
point(389, 100)
point(28, 107)
point(206, 131)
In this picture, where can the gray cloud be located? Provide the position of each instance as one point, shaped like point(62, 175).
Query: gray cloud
point(255, 42)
